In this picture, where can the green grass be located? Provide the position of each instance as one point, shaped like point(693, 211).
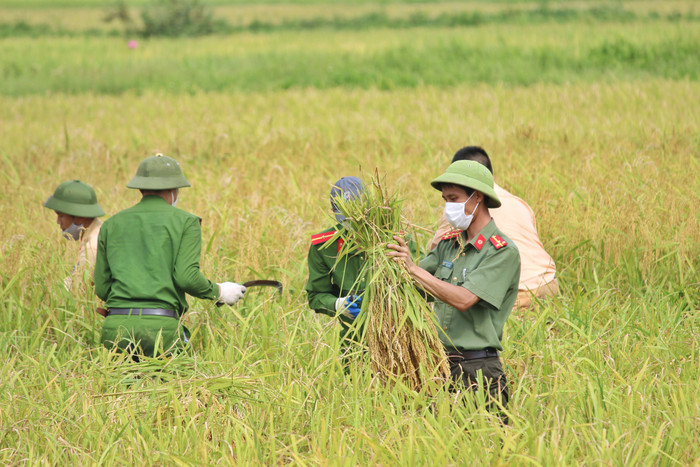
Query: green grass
point(237, 19)
point(512, 55)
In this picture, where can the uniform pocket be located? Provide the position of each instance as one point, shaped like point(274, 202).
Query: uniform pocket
point(444, 273)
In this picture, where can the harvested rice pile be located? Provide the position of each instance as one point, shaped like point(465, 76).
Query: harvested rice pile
point(398, 324)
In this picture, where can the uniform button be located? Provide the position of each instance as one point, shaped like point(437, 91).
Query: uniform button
point(454, 278)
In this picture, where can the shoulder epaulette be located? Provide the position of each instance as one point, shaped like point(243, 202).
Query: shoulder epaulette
point(322, 237)
point(451, 234)
point(498, 242)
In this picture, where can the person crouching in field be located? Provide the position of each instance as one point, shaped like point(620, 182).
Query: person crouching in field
point(473, 275)
point(333, 288)
point(147, 260)
point(77, 212)
point(517, 220)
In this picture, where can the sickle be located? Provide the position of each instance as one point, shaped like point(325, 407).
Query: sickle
point(264, 283)
point(260, 283)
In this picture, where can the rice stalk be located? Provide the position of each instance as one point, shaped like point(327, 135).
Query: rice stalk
point(396, 322)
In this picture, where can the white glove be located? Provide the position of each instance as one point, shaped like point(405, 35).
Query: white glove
point(230, 292)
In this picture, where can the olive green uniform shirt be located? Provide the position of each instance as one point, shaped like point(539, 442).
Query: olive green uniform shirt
point(148, 257)
point(331, 275)
point(489, 267)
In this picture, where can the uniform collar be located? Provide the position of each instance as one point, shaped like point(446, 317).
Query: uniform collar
point(153, 199)
point(480, 239)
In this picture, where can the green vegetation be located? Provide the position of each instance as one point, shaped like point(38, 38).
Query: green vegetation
point(602, 141)
point(172, 18)
point(377, 58)
point(175, 18)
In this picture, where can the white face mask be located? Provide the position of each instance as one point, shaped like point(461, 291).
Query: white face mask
point(454, 212)
point(72, 232)
point(175, 197)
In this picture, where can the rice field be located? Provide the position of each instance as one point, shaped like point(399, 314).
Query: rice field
point(605, 150)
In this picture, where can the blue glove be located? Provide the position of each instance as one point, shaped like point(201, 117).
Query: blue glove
point(353, 304)
point(349, 305)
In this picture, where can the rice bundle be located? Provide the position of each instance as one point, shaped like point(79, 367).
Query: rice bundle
point(397, 323)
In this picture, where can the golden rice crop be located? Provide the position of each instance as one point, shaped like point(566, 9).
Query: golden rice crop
point(396, 321)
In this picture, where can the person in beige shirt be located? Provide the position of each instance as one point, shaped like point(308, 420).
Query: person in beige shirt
point(77, 212)
point(517, 220)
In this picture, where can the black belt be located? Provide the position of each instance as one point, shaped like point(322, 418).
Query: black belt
point(143, 311)
point(473, 354)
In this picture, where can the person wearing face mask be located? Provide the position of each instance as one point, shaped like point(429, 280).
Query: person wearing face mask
point(77, 212)
point(333, 288)
point(472, 275)
point(147, 260)
point(517, 220)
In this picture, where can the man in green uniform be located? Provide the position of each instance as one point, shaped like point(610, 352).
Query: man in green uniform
point(473, 273)
point(331, 287)
point(77, 212)
point(147, 259)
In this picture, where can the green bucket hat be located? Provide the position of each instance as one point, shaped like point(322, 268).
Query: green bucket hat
point(472, 175)
point(75, 198)
point(158, 172)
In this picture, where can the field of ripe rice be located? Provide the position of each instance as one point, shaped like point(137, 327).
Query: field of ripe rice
point(606, 373)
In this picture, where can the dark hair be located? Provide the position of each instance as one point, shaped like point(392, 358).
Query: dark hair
point(149, 191)
point(467, 190)
point(473, 153)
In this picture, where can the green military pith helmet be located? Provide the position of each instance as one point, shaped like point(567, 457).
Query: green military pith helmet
point(158, 172)
point(472, 175)
point(75, 198)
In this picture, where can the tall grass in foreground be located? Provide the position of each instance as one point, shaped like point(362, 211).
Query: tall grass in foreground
point(396, 321)
point(608, 373)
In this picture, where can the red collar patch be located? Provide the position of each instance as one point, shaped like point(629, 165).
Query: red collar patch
point(498, 242)
point(322, 237)
point(479, 242)
point(451, 234)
